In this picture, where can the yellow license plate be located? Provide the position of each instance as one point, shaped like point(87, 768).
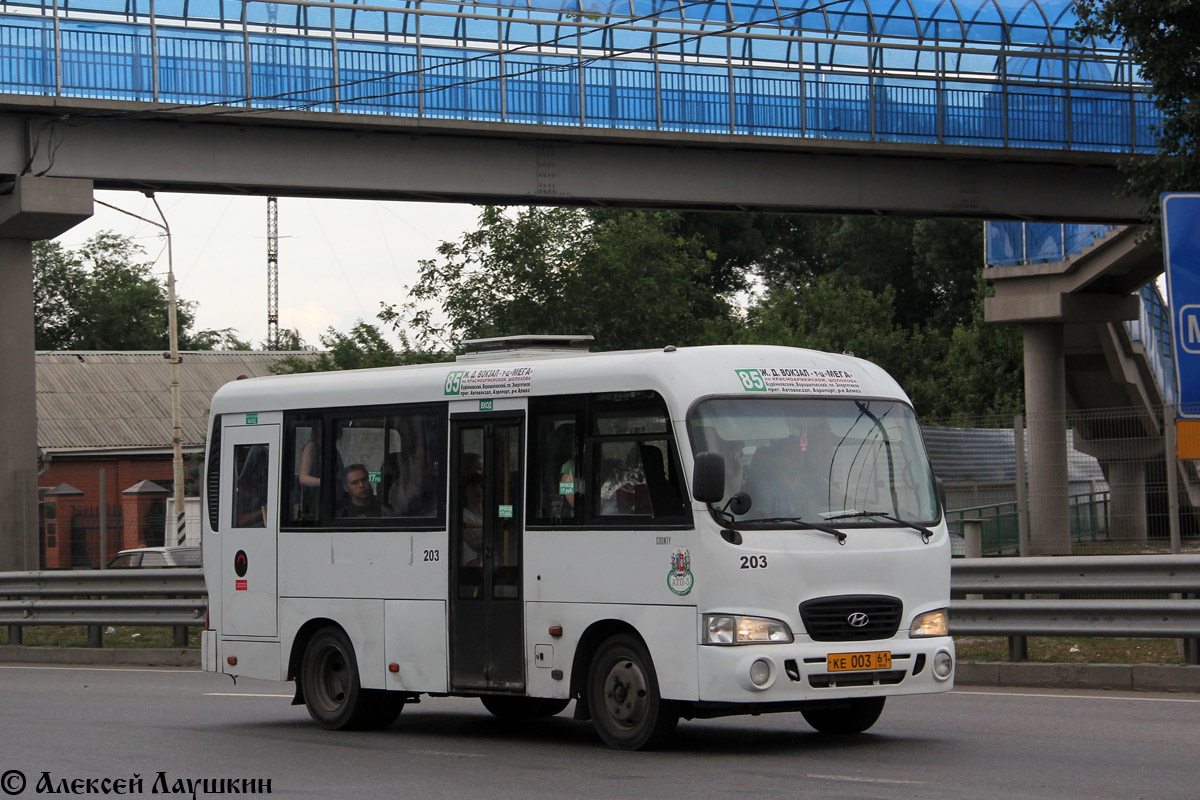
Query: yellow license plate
point(848, 662)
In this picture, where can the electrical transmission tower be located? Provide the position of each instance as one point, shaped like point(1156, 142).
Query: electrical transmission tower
point(272, 273)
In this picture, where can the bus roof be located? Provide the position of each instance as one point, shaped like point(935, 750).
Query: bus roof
point(681, 375)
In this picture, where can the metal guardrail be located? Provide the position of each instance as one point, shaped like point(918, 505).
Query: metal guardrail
point(1173, 615)
point(177, 597)
point(174, 597)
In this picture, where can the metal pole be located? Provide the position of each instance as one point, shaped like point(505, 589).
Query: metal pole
point(154, 50)
point(176, 411)
point(1170, 433)
point(1022, 486)
point(103, 520)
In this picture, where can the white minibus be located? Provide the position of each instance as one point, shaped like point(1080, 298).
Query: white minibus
point(688, 532)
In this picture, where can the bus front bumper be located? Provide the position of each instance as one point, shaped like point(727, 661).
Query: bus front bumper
point(781, 673)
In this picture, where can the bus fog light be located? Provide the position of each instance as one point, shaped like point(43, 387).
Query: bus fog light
point(760, 672)
point(943, 665)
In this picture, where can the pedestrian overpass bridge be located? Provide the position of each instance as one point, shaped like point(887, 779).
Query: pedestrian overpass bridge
point(982, 108)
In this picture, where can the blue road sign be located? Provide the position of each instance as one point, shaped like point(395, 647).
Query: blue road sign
point(1181, 245)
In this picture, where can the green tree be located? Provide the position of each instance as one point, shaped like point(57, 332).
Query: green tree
point(363, 346)
point(104, 296)
point(626, 277)
point(1161, 36)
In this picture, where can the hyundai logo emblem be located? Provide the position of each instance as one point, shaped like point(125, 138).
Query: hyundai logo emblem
point(858, 619)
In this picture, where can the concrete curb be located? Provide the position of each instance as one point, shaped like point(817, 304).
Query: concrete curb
point(1121, 677)
point(92, 656)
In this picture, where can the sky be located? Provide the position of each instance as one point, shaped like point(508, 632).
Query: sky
point(337, 258)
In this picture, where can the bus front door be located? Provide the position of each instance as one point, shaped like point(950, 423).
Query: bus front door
point(486, 625)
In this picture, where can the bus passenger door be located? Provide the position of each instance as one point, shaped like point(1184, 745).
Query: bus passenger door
point(249, 524)
point(486, 520)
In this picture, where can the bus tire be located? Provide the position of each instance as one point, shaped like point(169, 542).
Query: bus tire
point(383, 707)
point(332, 693)
point(844, 717)
point(627, 709)
point(519, 708)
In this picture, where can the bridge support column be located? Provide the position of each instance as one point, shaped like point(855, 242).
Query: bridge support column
point(36, 208)
point(1127, 511)
point(1046, 410)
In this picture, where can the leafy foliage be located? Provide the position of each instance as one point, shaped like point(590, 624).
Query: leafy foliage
point(364, 346)
point(625, 277)
point(104, 296)
point(905, 294)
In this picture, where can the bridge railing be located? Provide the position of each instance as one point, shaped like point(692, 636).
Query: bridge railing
point(558, 67)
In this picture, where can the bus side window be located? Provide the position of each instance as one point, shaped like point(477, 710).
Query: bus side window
point(303, 470)
point(411, 477)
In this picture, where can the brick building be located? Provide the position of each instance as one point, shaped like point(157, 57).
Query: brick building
point(109, 414)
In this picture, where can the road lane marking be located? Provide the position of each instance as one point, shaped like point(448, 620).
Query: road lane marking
point(444, 753)
point(245, 694)
point(175, 670)
point(1080, 697)
point(859, 779)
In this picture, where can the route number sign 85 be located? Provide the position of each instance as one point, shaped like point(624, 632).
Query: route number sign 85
point(751, 380)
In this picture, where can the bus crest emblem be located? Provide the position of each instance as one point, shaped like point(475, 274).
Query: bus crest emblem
point(679, 578)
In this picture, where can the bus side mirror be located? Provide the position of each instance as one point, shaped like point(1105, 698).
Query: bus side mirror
point(708, 477)
point(940, 486)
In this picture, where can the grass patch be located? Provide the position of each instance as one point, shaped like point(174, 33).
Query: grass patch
point(1073, 650)
point(121, 636)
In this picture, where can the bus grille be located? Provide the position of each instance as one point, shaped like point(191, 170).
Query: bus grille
point(828, 619)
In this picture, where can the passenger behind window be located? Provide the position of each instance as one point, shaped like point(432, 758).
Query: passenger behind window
point(360, 497)
point(252, 489)
point(664, 499)
point(562, 455)
point(472, 519)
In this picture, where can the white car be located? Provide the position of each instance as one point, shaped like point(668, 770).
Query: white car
point(156, 557)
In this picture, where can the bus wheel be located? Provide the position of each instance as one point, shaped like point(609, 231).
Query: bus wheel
point(383, 707)
point(332, 692)
point(626, 708)
point(518, 708)
point(853, 715)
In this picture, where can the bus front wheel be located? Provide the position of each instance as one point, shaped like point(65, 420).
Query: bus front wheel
point(332, 693)
point(623, 697)
point(852, 715)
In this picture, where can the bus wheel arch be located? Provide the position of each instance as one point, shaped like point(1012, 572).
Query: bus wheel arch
point(327, 678)
point(623, 696)
point(299, 645)
point(596, 634)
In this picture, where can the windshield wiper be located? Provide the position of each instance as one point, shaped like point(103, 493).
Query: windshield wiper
point(804, 523)
point(926, 534)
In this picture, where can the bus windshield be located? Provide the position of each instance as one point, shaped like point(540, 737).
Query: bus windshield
point(846, 461)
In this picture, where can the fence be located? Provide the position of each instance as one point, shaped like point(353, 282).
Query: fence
point(1126, 493)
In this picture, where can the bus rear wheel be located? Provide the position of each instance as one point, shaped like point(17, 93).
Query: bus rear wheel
point(843, 717)
point(623, 698)
point(519, 708)
point(332, 693)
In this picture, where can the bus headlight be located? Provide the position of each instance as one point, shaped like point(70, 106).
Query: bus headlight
point(931, 623)
point(736, 629)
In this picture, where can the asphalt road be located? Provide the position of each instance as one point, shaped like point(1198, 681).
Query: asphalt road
point(79, 723)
